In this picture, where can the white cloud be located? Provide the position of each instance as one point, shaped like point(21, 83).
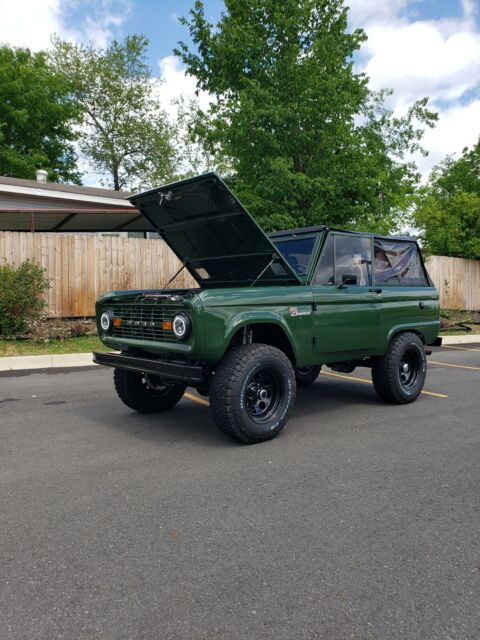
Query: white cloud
point(31, 23)
point(470, 8)
point(418, 59)
point(177, 84)
point(457, 128)
point(364, 12)
point(437, 58)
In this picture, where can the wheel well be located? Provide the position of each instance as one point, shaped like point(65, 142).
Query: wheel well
point(418, 333)
point(266, 333)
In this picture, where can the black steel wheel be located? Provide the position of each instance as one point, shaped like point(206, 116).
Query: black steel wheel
point(399, 375)
point(252, 392)
point(262, 395)
point(146, 394)
point(307, 375)
point(408, 369)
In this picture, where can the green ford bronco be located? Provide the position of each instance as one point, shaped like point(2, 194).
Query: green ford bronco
point(269, 311)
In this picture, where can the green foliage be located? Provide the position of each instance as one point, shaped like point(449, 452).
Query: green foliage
point(306, 139)
point(125, 133)
point(21, 296)
point(448, 211)
point(36, 118)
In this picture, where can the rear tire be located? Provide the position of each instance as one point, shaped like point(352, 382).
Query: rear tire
point(252, 392)
point(306, 376)
point(133, 391)
point(399, 375)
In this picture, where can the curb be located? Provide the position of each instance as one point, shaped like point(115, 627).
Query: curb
point(462, 339)
point(57, 363)
point(46, 362)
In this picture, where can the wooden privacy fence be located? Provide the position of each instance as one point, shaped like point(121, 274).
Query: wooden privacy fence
point(458, 281)
point(82, 267)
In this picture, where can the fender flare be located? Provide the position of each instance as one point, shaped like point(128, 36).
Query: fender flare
point(248, 318)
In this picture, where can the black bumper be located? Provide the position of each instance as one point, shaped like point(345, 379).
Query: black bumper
point(186, 373)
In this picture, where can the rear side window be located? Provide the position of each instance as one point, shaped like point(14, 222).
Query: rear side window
point(398, 264)
point(345, 259)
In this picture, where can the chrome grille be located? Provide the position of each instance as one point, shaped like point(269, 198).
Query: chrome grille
point(143, 320)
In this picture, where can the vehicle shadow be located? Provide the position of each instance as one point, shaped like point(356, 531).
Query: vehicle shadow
point(327, 395)
point(187, 421)
point(193, 423)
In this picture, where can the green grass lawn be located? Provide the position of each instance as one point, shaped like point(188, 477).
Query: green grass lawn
point(84, 344)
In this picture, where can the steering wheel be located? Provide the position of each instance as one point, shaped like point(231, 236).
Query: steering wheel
point(300, 270)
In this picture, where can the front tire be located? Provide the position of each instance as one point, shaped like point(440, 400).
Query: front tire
point(132, 389)
point(306, 376)
point(399, 375)
point(252, 392)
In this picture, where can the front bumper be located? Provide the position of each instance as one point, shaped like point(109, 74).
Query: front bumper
point(177, 372)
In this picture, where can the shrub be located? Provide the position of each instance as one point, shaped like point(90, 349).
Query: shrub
point(21, 296)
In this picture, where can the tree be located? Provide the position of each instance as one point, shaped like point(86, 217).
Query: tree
point(36, 118)
point(124, 134)
point(306, 138)
point(448, 211)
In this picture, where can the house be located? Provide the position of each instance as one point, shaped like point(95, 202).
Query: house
point(39, 205)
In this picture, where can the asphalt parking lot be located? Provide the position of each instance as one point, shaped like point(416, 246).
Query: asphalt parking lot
point(360, 521)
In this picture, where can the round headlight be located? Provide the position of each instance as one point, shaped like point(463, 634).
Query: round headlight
point(106, 320)
point(181, 326)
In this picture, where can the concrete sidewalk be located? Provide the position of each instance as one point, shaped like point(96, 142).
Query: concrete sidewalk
point(74, 360)
point(27, 363)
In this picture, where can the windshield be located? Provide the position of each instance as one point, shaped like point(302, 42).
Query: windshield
point(297, 252)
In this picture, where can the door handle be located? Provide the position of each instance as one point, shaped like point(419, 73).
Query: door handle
point(379, 291)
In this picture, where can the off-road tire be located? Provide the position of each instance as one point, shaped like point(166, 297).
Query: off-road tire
point(306, 376)
point(386, 370)
point(231, 389)
point(133, 392)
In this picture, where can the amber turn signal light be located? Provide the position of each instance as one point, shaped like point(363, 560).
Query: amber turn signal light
point(117, 322)
point(167, 325)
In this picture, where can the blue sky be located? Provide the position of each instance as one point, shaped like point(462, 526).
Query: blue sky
point(416, 47)
point(159, 20)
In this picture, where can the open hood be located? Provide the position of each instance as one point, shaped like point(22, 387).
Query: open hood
point(213, 234)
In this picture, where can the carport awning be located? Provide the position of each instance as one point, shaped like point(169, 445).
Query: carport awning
point(73, 220)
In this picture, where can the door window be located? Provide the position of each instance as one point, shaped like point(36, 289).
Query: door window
point(398, 264)
point(345, 259)
point(353, 260)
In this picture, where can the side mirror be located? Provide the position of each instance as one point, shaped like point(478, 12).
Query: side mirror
point(347, 279)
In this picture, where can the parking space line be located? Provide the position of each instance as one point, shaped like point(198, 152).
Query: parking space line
point(206, 403)
point(344, 377)
point(450, 346)
point(456, 366)
point(201, 401)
